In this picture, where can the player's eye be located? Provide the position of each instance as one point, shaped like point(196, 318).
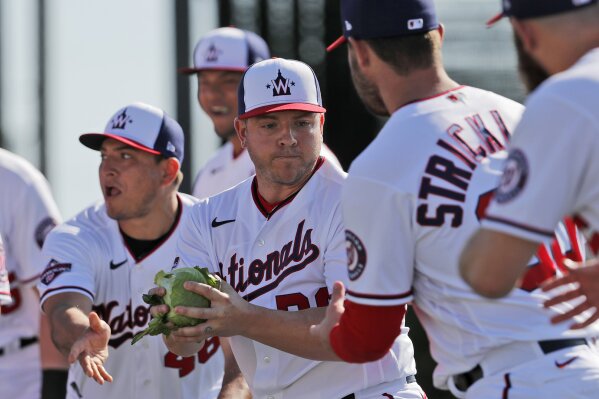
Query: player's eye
point(304, 123)
point(102, 156)
point(126, 155)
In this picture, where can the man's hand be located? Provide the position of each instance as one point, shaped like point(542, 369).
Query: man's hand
point(586, 279)
point(227, 315)
point(92, 349)
point(334, 311)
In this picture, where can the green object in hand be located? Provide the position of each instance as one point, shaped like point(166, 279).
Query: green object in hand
point(175, 296)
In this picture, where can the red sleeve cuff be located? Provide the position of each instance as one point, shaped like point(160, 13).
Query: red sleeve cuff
point(366, 333)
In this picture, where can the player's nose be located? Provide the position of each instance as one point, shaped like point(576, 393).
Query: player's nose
point(288, 136)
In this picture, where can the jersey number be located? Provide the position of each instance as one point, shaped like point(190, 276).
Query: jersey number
point(187, 364)
point(300, 301)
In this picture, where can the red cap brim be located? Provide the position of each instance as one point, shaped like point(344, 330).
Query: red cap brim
point(94, 141)
point(495, 19)
point(282, 107)
point(336, 43)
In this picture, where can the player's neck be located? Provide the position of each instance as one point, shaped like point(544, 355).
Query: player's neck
point(420, 84)
point(275, 193)
point(155, 223)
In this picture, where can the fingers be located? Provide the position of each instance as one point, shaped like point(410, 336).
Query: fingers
point(552, 284)
point(159, 310)
point(104, 373)
point(566, 296)
point(160, 291)
point(338, 292)
point(193, 334)
point(203, 289)
point(198, 313)
point(587, 322)
point(571, 313)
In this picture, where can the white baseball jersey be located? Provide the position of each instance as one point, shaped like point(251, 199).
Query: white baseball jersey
point(429, 175)
point(223, 171)
point(87, 255)
point(27, 213)
point(553, 168)
point(287, 259)
point(5, 298)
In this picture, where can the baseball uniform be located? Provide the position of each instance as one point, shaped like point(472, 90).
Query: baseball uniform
point(223, 170)
point(430, 173)
point(561, 124)
point(288, 259)
point(27, 214)
point(5, 298)
point(87, 255)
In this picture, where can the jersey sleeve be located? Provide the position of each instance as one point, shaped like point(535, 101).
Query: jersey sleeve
point(335, 254)
point(379, 242)
point(192, 245)
point(69, 257)
point(547, 172)
point(35, 215)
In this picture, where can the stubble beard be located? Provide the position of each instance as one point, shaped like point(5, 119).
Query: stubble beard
point(367, 91)
point(531, 72)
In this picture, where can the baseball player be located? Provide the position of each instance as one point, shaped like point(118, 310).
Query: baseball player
point(5, 297)
point(277, 240)
point(429, 175)
point(220, 57)
point(101, 262)
point(563, 38)
point(30, 365)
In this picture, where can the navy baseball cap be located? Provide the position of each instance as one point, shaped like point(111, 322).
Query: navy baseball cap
point(277, 85)
point(143, 127)
point(523, 9)
point(227, 49)
point(371, 19)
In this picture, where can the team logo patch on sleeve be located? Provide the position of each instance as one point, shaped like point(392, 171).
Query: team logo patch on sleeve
point(356, 255)
point(514, 177)
point(53, 270)
point(43, 228)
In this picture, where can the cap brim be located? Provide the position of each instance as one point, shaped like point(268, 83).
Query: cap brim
point(283, 107)
point(194, 70)
point(495, 19)
point(95, 140)
point(340, 40)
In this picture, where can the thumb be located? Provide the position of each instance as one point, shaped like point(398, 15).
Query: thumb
point(338, 295)
point(95, 323)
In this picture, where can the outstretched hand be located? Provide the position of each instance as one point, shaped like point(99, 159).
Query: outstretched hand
point(91, 349)
point(333, 315)
point(586, 280)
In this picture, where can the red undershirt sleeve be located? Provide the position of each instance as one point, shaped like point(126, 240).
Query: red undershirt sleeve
point(365, 333)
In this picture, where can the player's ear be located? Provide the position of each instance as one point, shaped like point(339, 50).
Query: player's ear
point(241, 129)
point(170, 169)
point(441, 31)
point(321, 120)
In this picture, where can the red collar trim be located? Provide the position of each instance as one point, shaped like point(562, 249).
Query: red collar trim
point(268, 209)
